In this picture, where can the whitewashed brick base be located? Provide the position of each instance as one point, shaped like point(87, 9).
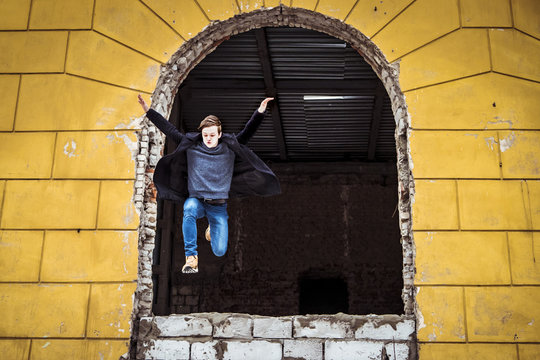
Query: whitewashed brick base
point(211, 336)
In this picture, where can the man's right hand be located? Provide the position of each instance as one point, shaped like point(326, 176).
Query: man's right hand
point(143, 103)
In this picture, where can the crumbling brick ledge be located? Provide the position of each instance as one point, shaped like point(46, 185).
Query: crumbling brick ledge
point(241, 336)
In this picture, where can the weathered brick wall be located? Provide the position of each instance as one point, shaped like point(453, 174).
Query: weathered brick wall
point(70, 71)
point(330, 225)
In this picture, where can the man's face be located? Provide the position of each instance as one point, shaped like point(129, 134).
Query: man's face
point(211, 136)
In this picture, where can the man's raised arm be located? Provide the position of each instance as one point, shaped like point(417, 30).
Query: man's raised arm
point(253, 123)
point(162, 124)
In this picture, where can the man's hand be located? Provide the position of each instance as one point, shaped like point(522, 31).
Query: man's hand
point(262, 107)
point(143, 103)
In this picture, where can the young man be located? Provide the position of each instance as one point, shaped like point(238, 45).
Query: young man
point(204, 171)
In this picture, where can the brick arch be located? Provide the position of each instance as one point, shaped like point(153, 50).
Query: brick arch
point(175, 71)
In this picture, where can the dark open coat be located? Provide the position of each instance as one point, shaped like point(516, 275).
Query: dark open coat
point(251, 175)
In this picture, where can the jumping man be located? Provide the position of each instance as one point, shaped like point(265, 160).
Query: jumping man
point(205, 170)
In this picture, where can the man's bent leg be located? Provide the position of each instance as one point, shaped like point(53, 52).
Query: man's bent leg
point(193, 210)
point(219, 228)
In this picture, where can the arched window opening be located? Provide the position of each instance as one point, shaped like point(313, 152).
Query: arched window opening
point(330, 139)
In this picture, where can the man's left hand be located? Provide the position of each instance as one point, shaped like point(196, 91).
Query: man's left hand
point(262, 107)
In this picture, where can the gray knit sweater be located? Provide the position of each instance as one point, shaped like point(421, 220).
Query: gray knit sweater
point(210, 171)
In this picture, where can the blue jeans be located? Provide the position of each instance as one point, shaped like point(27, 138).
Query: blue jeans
point(217, 218)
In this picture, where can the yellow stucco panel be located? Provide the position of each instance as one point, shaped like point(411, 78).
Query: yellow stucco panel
point(440, 314)
point(491, 13)
point(116, 208)
point(439, 154)
point(491, 205)
point(250, 5)
point(306, 4)
point(459, 54)
point(526, 16)
point(520, 151)
point(515, 53)
point(136, 26)
point(32, 51)
point(26, 155)
point(219, 9)
point(371, 15)
point(21, 255)
point(43, 310)
point(91, 104)
point(61, 14)
point(94, 56)
point(50, 204)
point(435, 205)
point(461, 258)
point(54, 349)
point(525, 257)
point(467, 351)
point(14, 14)
point(478, 102)
point(405, 33)
point(338, 9)
point(529, 351)
point(185, 16)
point(533, 190)
point(273, 3)
point(503, 314)
point(106, 155)
point(89, 256)
point(110, 310)
point(9, 85)
point(15, 349)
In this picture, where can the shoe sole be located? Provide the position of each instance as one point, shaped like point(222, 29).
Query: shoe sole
point(190, 270)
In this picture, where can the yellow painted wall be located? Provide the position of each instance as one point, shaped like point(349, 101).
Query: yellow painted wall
point(69, 74)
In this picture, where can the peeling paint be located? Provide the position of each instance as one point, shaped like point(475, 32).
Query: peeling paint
point(420, 324)
point(499, 121)
point(69, 148)
point(507, 142)
point(46, 344)
point(490, 142)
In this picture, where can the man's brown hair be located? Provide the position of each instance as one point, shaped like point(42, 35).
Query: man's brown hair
point(210, 120)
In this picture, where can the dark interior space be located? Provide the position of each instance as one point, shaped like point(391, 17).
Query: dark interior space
point(323, 295)
point(331, 241)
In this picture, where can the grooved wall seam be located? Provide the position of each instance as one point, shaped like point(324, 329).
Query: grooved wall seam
point(425, 44)
point(162, 19)
point(465, 327)
point(17, 103)
point(87, 317)
point(29, 14)
point(67, 51)
point(449, 81)
point(203, 11)
point(457, 204)
point(490, 52)
point(513, 23)
point(44, 232)
point(392, 19)
point(459, 14)
point(127, 46)
point(350, 11)
point(499, 155)
point(98, 203)
point(93, 14)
